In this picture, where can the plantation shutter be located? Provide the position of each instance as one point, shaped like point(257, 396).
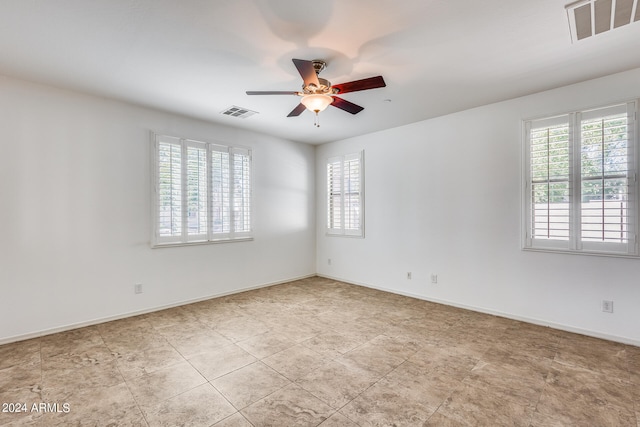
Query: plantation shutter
point(607, 178)
point(202, 192)
point(550, 188)
point(169, 207)
point(581, 181)
point(197, 193)
point(334, 195)
point(351, 193)
point(231, 192)
point(241, 194)
point(344, 195)
point(220, 196)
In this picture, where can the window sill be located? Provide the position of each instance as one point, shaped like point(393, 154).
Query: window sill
point(587, 253)
point(352, 236)
point(207, 242)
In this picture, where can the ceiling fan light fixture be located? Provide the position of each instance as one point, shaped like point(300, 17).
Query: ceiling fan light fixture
point(318, 93)
point(316, 102)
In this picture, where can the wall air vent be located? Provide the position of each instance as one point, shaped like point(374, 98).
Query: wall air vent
point(590, 17)
point(235, 111)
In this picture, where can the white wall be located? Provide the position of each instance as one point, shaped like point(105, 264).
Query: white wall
point(75, 206)
point(75, 196)
point(443, 196)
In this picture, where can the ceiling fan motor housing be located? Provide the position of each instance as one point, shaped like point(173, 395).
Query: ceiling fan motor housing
point(324, 85)
point(323, 88)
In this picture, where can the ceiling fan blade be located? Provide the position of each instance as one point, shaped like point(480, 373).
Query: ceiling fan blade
point(364, 84)
point(297, 111)
point(306, 70)
point(270, 92)
point(347, 106)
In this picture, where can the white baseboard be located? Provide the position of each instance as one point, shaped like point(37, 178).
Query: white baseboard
point(511, 316)
point(92, 322)
point(553, 325)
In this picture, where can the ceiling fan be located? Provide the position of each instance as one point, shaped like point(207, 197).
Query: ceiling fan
point(318, 93)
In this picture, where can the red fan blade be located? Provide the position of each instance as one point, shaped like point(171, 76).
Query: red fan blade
point(347, 106)
point(270, 92)
point(364, 84)
point(297, 111)
point(306, 70)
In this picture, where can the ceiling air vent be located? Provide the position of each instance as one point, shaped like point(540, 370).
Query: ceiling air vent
point(590, 17)
point(235, 111)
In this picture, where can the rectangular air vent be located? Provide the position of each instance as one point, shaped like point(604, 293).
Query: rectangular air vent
point(235, 111)
point(590, 17)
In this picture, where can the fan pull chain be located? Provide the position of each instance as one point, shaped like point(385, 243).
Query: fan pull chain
point(316, 121)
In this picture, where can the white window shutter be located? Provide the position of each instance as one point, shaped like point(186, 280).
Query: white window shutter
point(352, 194)
point(345, 195)
point(168, 189)
point(197, 191)
point(581, 190)
point(549, 181)
point(607, 175)
point(334, 195)
point(220, 196)
point(202, 192)
point(241, 191)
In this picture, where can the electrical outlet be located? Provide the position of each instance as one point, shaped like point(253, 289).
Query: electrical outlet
point(607, 306)
point(137, 288)
point(408, 275)
point(434, 278)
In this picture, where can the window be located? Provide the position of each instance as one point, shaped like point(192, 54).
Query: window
point(202, 192)
point(580, 178)
point(345, 207)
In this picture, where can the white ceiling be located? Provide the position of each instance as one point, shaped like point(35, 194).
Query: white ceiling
point(198, 57)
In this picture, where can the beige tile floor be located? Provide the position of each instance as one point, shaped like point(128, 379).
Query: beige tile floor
point(319, 352)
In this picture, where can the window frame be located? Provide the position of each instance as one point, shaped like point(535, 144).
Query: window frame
point(575, 243)
point(341, 229)
point(183, 237)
